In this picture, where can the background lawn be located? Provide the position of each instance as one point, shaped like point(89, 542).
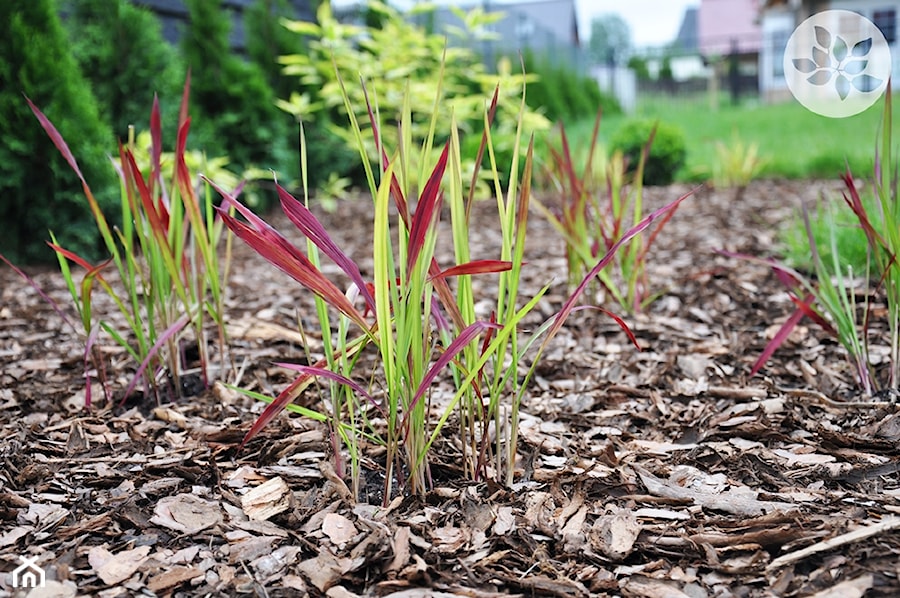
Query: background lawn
point(794, 142)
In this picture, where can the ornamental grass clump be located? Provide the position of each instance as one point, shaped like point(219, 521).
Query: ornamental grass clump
point(840, 300)
point(593, 215)
point(168, 276)
point(419, 326)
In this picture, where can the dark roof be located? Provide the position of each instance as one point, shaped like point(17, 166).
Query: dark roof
point(689, 32)
point(172, 15)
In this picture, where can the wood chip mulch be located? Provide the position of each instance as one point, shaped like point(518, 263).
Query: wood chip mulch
point(665, 473)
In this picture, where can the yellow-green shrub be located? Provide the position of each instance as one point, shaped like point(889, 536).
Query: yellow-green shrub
point(399, 55)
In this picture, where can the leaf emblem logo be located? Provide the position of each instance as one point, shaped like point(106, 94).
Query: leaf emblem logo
point(833, 61)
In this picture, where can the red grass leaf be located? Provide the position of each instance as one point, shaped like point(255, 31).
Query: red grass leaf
point(322, 372)
point(428, 210)
point(779, 338)
point(287, 258)
point(569, 305)
point(63, 148)
point(396, 191)
point(855, 203)
point(281, 253)
point(156, 211)
point(164, 338)
point(310, 226)
point(56, 306)
point(475, 267)
point(283, 399)
point(479, 157)
point(185, 99)
point(459, 343)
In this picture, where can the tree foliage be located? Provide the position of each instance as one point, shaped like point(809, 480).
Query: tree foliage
point(122, 53)
point(234, 94)
point(38, 188)
point(610, 40)
point(398, 59)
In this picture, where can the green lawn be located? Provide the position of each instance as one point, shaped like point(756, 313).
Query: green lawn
point(795, 142)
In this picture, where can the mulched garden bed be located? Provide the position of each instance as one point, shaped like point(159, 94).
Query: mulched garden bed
point(662, 473)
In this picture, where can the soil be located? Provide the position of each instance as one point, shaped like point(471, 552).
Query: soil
point(666, 472)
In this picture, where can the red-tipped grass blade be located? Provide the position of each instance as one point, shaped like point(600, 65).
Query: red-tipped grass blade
point(164, 338)
point(474, 267)
point(321, 372)
point(63, 148)
point(281, 253)
point(459, 343)
point(156, 212)
point(778, 339)
point(428, 210)
point(569, 305)
point(284, 398)
point(310, 226)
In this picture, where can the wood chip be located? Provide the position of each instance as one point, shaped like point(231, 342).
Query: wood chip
point(267, 500)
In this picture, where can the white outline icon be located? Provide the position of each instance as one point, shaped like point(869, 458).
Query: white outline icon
point(28, 574)
point(837, 63)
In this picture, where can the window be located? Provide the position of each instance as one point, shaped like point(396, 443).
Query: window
point(524, 28)
point(886, 20)
point(779, 44)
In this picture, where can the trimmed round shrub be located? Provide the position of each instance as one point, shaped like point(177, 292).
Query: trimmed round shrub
point(667, 153)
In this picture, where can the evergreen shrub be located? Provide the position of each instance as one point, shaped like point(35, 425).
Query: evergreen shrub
point(39, 190)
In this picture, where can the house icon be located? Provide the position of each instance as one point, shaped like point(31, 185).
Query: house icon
point(28, 574)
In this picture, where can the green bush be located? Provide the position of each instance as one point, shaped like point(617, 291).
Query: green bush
point(267, 40)
point(667, 154)
point(38, 188)
point(235, 96)
point(391, 58)
point(122, 53)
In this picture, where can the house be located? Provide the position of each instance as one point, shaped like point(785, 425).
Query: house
point(779, 18)
point(730, 38)
point(28, 574)
point(173, 16)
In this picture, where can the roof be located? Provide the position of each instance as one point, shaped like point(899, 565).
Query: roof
point(727, 25)
point(689, 32)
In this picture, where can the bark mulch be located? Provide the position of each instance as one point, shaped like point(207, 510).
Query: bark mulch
point(665, 473)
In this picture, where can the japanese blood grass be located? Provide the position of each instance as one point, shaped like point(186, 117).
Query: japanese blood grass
point(418, 325)
point(831, 299)
point(592, 222)
point(165, 255)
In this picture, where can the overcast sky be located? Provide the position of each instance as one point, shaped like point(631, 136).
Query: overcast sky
point(653, 22)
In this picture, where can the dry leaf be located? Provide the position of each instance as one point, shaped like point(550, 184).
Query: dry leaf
point(171, 577)
point(339, 529)
point(505, 521)
point(614, 534)
point(116, 568)
point(186, 513)
point(325, 570)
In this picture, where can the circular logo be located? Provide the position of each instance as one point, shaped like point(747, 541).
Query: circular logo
point(837, 63)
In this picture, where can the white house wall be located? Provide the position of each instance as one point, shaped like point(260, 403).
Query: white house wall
point(779, 22)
